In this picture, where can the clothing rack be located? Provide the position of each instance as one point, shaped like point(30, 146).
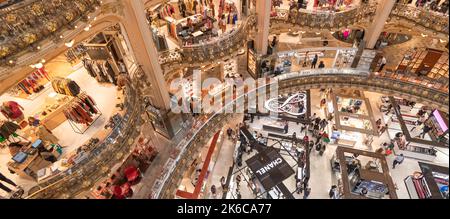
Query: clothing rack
point(90, 110)
point(10, 128)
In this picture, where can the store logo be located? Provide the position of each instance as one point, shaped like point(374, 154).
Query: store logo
point(211, 95)
point(269, 166)
point(293, 105)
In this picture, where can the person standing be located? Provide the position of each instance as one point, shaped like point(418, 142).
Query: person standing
point(398, 160)
point(383, 63)
point(299, 187)
point(306, 193)
point(323, 123)
point(6, 180)
point(425, 130)
point(321, 65)
point(223, 182)
point(332, 192)
point(314, 61)
point(286, 127)
point(213, 192)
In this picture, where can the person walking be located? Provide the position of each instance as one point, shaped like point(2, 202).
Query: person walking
point(425, 130)
point(314, 61)
point(10, 182)
point(223, 182)
point(286, 127)
point(398, 160)
point(323, 123)
point(213, 192)
point(333, 193)
point(383, 63)
point(306, 193)
point(299, 186)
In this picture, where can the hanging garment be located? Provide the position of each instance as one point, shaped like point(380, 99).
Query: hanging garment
point(81, 110)
point(65, 86)
point(110, 72)
point(88, 66)
point(8, 128)
point(11, 110)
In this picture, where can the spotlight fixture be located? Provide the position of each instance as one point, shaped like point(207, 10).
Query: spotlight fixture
point(70, 43)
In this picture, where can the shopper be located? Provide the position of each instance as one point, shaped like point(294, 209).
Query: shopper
point(229, 132)
point(425, 130)
point(313, 117)
point(333, 191)
point(213, 192)
point(383, 63)
point(317, 120)
point(323, 123)
point(314, 61)
point(306, 193)
point(398, 160)
point(286, 127)
point(299, 186)
point(304, 126)
point(383, 129)
point(223, 182)
point(318, 138)
point(321, 65)
point(323, 147)
point(274, 43)
point(10, 182)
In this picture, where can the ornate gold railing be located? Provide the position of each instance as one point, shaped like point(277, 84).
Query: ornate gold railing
point(166, 186)
point(419, 16)
point(325, 19)
point(22, 28)
point(209, 51)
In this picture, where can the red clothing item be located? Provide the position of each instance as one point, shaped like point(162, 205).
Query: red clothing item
point(12, 110)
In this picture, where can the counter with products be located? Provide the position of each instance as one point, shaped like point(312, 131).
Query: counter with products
point(344, 138)
point(193, 29)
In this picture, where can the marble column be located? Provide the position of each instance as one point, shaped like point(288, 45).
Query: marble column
point(384, 9)
point(144, 49)
point(263, 26)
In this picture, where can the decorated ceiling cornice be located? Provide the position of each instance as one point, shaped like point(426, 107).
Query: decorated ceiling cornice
point(23, 28)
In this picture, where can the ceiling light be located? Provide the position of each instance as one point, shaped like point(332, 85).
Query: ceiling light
point(70, 43)
point(424, 35)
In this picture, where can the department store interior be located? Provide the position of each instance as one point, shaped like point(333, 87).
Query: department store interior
point(88, 91)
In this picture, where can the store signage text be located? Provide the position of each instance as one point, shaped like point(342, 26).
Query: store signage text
point(269, 166)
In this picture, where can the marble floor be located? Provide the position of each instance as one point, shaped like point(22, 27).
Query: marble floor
point(321, 178)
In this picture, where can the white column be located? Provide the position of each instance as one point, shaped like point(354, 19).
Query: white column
point(138, 32)
point(384, 9)
point(262, 35)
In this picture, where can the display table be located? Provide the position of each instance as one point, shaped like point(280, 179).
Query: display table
point(344, 139)
point(28, 169)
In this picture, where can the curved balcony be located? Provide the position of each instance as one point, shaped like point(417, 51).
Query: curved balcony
point(418, 16)
point(325, 20)
point(226, 44)
point(291, 82)
point(99, 162)
point(26, 24)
